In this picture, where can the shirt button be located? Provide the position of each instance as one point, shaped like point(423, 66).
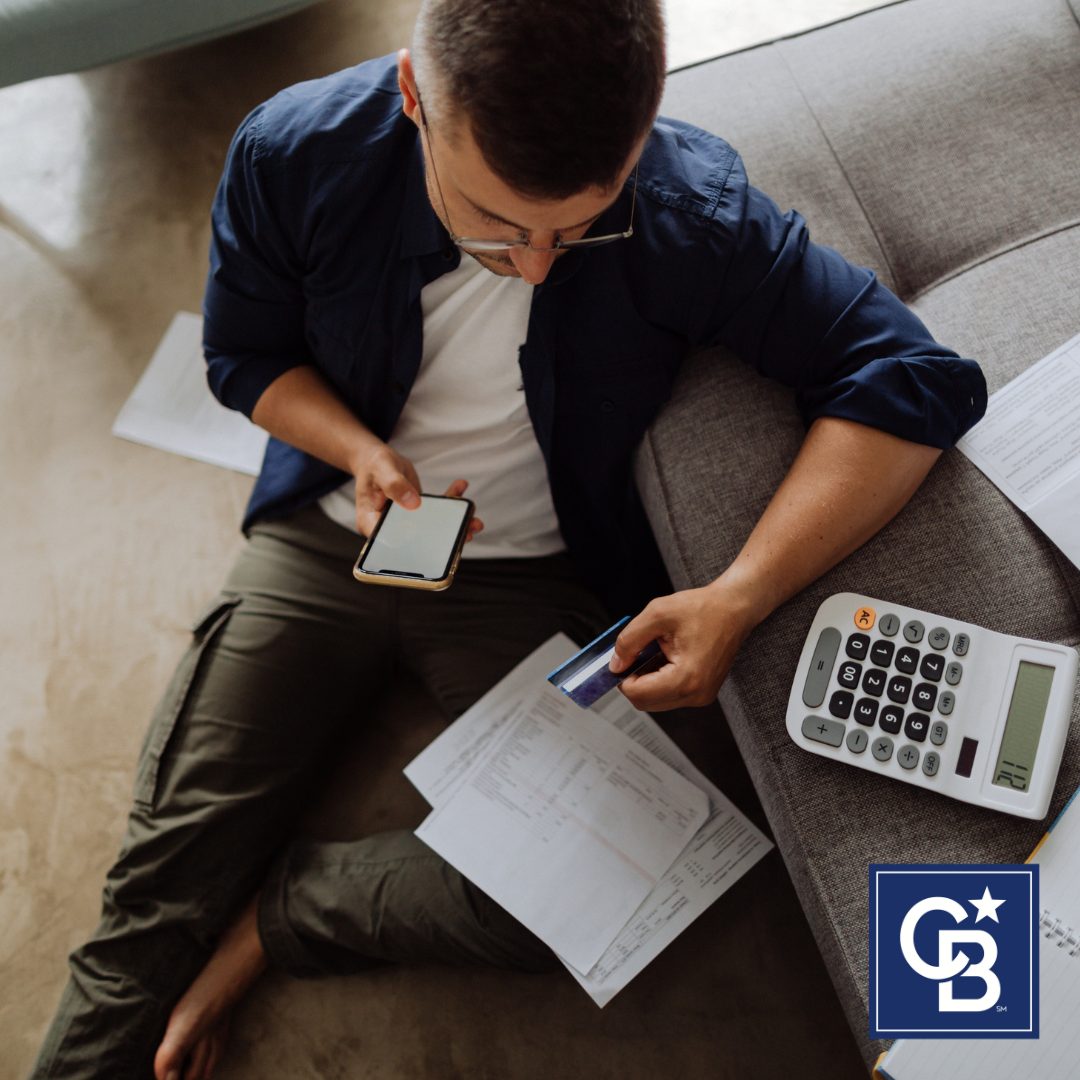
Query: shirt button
point(607, 405)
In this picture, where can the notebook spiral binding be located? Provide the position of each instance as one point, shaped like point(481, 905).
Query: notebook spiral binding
point(1064, 937)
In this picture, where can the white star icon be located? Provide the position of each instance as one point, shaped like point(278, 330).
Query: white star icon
point(987, 906)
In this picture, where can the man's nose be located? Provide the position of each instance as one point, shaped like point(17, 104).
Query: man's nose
point(533, 266)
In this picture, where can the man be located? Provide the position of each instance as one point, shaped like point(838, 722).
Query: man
point(479, 264)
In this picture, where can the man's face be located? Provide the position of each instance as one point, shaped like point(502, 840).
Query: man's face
point(479, 204)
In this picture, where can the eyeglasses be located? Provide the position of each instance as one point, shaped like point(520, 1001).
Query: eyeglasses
point(476, 244)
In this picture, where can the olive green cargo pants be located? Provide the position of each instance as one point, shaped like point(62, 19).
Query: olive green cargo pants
point(284, 665)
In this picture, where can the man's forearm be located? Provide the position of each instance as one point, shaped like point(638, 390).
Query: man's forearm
point(846, 483)
point(302, 409)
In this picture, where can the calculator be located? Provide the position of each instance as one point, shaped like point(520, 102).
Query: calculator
point(942, 704)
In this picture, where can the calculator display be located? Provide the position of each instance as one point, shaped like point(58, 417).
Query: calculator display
point(1023, 726)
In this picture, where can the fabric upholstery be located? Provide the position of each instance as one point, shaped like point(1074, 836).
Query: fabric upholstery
point(936, 142)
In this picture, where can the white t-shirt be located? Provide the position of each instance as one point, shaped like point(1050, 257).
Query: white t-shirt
point(466, 415)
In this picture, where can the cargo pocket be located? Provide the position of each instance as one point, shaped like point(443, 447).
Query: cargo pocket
point(206, 629)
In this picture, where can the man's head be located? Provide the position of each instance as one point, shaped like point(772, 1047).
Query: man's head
point(533, 113)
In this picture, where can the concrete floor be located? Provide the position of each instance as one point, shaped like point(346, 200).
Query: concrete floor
point(108, 550)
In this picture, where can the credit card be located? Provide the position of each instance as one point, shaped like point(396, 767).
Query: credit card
point(585, 678)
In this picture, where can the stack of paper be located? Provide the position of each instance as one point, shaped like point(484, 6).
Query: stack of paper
point(590, 827)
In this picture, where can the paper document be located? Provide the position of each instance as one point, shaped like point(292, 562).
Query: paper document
point(171, 407)
point(722, 849)
point(1028, 444)
point(567, 824)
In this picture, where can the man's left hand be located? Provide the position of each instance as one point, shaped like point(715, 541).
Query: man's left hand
point(699, 632)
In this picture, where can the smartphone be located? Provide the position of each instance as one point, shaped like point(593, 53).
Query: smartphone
point(416, 549)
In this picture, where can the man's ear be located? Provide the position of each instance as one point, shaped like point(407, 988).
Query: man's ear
point(410, 96)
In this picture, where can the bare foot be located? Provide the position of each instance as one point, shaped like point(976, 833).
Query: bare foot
point(198, 1025)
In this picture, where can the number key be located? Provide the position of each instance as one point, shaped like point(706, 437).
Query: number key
point(899, 689)
point(848, 675)
point(924, 696)
point(932, 667)
point(874, 681)
point(892, 716)
point(882, 653)
point(907, 660)
point(915, 728)
point(866, 711)
point(858, 645)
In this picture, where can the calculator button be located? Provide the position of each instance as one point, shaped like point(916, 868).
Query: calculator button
point(913, 631)
point(857, 740)
point(907, 660)
point(961, 644)
point(866, 710)
point(824, 731)
point(821, 665)
point(938, 731)
point(908, 757)
point(946, 702)
point(864, 618)
point(882, 653)
point(874, 681)
point(858, 645)
point(848, 675)
point(882, 748)
point(923, 696)
point(915, 728)
point(953, 673)
point(932, 667)
point(892, 716)
point(931, 763)
point(889, 625)
point(899, 689)
point(938, 638)
point(840, 704)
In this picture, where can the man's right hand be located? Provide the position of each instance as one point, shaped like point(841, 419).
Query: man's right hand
point(381, 474)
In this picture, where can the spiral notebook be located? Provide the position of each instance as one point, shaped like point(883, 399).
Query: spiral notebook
point(1055, 1055)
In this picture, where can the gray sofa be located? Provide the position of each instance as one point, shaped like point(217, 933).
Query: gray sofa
point(938, 143)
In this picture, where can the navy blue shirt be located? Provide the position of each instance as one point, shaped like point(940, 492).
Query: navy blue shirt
point(323, 237)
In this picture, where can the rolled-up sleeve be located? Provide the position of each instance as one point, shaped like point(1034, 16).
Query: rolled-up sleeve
point(802, 314)
point(253, 309)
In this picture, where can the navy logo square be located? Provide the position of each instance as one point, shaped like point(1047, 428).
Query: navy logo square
point(954, 951)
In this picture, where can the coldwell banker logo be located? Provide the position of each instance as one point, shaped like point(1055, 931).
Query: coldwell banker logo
point(954, 952)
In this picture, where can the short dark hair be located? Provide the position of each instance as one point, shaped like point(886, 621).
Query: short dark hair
point(556, 92)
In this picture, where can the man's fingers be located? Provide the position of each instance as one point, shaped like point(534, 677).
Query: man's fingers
point(637, 633)
point(474, 527)
point(457, 489)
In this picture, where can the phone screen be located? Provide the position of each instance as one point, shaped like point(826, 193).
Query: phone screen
point(417, 543)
